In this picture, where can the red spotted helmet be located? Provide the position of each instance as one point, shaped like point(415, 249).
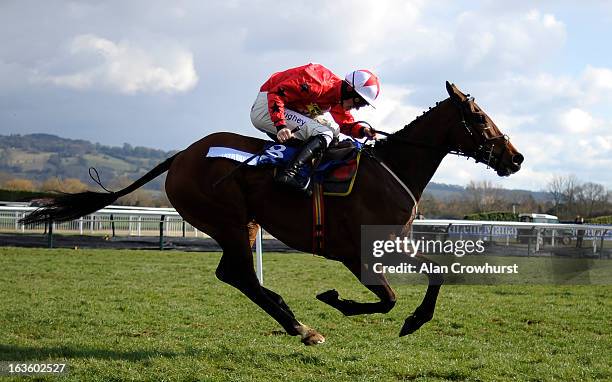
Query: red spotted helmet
point(365, 83)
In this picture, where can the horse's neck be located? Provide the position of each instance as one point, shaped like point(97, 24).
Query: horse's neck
point(416, 164)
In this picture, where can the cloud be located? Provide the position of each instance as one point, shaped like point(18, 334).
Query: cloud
point(508, 42)
point(125, 67)
point(537, 72)
point(392, 111)
point(577, 120)
point(596, 84)
point(477, 45)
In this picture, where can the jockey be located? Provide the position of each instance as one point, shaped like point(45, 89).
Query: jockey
point(290, 105)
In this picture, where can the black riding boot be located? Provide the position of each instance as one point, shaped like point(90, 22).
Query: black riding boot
point(291, 175)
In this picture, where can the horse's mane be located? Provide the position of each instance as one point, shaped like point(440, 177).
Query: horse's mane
point(407, 129)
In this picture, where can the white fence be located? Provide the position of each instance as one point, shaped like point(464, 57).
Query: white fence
point(124, 221)
point(116, 221)
point(529, 238)
point(535, 235)
point(139, 221)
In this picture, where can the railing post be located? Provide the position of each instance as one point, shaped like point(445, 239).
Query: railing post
point(112, 224)
point(530, 240)
point(161, 232)
point(601, 247)
point(552, 239)
point(81, 226)
point(184, 227)
point(259, 257)
point(50, 235)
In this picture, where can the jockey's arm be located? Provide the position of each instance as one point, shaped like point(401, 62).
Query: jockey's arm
point(347, 124)
point(276, 108)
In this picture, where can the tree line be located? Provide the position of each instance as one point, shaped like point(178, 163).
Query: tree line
point(140, 197)
point(568, 198)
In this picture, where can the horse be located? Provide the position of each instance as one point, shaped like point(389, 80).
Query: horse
point(231, 211)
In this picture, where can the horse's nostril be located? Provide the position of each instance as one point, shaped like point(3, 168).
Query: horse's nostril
point(517, 159)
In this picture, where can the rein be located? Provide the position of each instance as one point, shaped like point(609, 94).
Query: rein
point(406, 141)
point(410, 142)
point(483, 152)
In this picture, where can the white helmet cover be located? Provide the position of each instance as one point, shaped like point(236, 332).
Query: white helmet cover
point(365, 83)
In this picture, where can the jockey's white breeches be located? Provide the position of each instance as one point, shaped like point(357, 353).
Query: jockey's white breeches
point(307, 127)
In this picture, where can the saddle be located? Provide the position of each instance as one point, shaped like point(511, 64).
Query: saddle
point(335, 171)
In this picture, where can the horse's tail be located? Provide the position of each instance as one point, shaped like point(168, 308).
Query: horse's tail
point(72, 206)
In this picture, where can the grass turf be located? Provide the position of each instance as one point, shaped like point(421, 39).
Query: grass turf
point(148, 315)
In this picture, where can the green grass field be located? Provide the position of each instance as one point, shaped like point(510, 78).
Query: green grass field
point(145, 315)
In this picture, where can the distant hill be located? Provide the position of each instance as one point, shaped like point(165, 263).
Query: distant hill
point(41, 156)
point(444, 191)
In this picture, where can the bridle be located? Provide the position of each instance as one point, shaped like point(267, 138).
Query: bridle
point(484, 151)
point(484, 147)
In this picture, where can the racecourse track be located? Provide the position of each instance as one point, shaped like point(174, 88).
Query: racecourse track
point(107, 242)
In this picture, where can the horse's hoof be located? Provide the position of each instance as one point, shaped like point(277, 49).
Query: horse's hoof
point(312, 337)
point(329, 296)
point(412, 324)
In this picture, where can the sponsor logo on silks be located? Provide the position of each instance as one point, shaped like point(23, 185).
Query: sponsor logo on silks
point(295, 118)
point(314, 110)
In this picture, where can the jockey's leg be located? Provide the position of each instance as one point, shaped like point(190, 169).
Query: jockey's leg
point(297, 173)
point(317, 134)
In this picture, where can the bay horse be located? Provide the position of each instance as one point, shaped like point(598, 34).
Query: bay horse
point(231, 211)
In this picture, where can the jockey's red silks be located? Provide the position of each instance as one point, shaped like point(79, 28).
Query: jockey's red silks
point(310, 90)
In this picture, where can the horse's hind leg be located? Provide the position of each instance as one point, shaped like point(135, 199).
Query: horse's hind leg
point(236, 269)
point(253, 229)
point(350, 307)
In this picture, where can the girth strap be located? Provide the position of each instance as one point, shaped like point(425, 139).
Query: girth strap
point(318, 220)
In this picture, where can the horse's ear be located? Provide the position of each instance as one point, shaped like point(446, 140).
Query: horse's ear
point(449, 88)
point(455, 93)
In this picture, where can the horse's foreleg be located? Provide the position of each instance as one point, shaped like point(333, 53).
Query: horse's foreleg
point(350, 307)
point(236, 269)
point(424, 312)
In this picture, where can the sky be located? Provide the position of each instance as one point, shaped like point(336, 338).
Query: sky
point(164, 74)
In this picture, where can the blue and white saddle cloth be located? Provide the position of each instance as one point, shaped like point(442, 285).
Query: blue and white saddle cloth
point(278, 155)
point(336, 171)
